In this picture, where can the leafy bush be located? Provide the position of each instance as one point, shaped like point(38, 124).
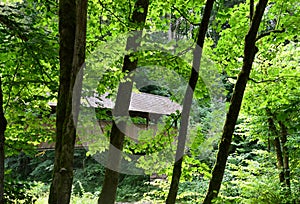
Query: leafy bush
point(19, 191)
point(88, 179)
point(188, 192)
point(133, 187)
point(255, 180)
point(43, 171)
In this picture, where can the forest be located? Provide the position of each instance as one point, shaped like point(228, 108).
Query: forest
point(149, 101)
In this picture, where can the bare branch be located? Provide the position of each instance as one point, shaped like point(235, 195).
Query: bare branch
point(263, 81)
point(276, 79)
point(269, 33)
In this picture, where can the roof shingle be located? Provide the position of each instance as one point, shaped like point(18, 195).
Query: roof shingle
point(140, 102)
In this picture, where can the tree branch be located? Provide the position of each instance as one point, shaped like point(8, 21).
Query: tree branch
point(269, 33)
point(13, 26)
point(271, 80)
point(112, 13)
point(276, 79)
point(263, 81)
point(185, 17)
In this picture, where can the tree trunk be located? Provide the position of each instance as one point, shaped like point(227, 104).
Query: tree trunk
point(72, 30)
point(279, 159)
point(110, 184)
point(285, 153)
point(197, 54)
point(3, 124)
point(277, 146)
point(235, 104)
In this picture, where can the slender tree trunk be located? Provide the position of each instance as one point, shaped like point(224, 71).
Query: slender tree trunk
point(3, 124)
point(197, 54)
point(251, 9)
point(269, 144)
point(72, 30)
point(279, 157)
point(235, 104)
point(285, 153)
point(110, 184)
point(277, 146)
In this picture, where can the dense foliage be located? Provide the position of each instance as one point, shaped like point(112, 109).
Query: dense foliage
point(29, 69)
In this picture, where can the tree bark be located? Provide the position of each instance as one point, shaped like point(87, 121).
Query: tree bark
point(3, 124)
point(279, 157)
point(110, 184)
point(72, 30)
point(235, 104)
point(197, 54)
point(285, 153)
point(251, 9)
point(277, 146)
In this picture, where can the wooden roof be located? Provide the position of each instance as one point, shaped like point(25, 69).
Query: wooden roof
point(140, 102)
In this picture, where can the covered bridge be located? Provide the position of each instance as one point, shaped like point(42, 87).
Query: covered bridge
point(143, 105)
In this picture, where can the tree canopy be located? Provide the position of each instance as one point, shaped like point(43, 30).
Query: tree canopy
point(250, 61)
